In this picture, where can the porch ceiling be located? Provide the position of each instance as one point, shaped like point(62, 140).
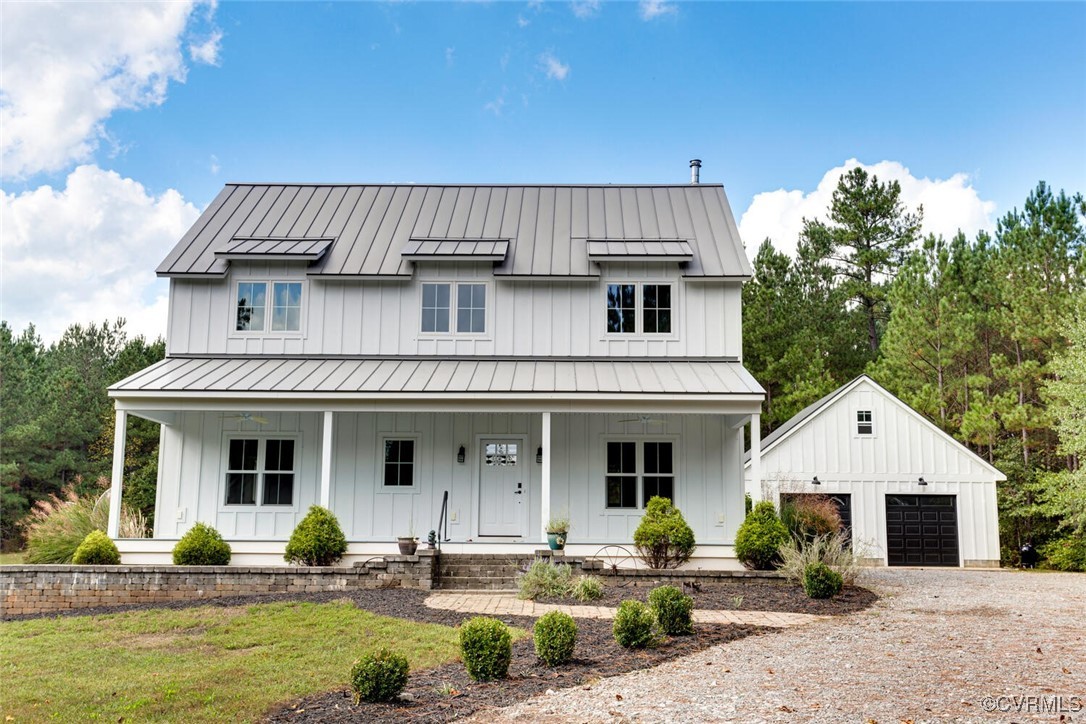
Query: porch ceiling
point(446, 383)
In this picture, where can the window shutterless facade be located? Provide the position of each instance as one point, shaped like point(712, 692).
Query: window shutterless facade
point(257, 311)
point(399, 463)
point(260, 468)
point(437, 308)
point(865, 424)
point(647, 467)
point(639, 308)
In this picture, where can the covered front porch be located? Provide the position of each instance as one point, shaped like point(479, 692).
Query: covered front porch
point(486, 469)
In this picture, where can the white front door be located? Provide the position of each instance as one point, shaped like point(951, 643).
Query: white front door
point(503, 488)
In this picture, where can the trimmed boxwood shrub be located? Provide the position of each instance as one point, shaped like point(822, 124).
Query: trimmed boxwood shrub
point(202, 545)
point(379, 676)
point(673, 610)
point(318, 540)
point(663, 538)
point(760, 537)
point(97, 550)
point(635, 625)
point(555, 635)
point(486, 647)
point(821, 581)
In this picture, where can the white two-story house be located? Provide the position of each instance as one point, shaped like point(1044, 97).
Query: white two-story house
point(504, 353)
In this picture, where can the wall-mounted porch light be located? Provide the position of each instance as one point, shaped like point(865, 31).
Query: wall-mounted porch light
point(539, 454)
point(816, 481)
point(921, 481)
point(461, 455)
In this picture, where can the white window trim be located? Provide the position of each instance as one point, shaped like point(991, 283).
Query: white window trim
point(270, 297)
point(261, 457)
point(639, 309)
point(856, 424)
point(488, 313)
point(379, 473)
point(640, 440)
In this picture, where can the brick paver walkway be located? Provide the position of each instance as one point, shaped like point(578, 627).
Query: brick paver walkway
point(507, 604)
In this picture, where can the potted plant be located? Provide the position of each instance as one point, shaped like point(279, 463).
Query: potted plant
point(557, 530)
point(408, 544)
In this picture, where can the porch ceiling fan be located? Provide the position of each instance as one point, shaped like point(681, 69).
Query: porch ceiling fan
point(247, 417)
point(645, 420)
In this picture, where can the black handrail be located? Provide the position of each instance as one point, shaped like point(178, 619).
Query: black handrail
point(443, 520)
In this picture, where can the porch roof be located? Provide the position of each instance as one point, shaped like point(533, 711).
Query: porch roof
point(439, 378)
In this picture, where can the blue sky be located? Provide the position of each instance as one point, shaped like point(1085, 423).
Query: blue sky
point(968, 104)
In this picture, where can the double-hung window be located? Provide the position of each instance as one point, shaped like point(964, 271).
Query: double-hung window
point(260, 469)
point(865, 424)
point(257, 312)
point(639, 308)
point(437, 312)
point(639, 467)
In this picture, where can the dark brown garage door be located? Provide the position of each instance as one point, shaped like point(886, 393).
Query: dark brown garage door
point(921, 530)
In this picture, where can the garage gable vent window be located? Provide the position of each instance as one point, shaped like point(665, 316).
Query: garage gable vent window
point(864, 425)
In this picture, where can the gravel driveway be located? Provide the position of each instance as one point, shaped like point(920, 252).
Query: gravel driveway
point(941, 645)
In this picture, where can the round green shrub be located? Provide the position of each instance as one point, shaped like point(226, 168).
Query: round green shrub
point(318, 540)
point(202, 545)
point(486, 647)
point(635, 625)
point(379, 676)
point(760, 537)
point(555, 636)
point(673, 609)
point(821, 581)
point(97, 550)
point(663, 538)
point(1066, 554)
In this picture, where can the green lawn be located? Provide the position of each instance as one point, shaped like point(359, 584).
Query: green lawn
point(11, 559)
point(195, 664)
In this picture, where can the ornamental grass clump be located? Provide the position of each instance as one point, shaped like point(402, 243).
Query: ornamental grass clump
point(635, 625)
point(317, 541)
point(58, 524)
point(673, 609)
point(96, 550)
point(486, 646)
point(586, 588)
point(808, 515)
point(821, 581)
point(760, 537)
point(379, 676)
point(202, 545)
point(544, 579)
point(555, 636)
point(663, 539)
point(835, 550)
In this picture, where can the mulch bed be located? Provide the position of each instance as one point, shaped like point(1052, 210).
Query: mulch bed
point(743, 594)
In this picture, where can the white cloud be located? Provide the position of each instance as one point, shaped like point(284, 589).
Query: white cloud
point(450, 56)
point(215, 167)
point(585, 9)
point(88, 252)
point(652, 9)
point(69, 66)
point(207, 50)
point(949, 205)
point(523, 22)
point(495, 106)
point(553, 67)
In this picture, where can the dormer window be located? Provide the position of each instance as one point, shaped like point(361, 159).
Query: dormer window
point(470, 307)
point(252, 307)
point(864, 423)
point(639, 308)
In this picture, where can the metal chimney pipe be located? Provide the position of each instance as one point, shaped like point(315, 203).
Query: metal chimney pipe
point(695, 170)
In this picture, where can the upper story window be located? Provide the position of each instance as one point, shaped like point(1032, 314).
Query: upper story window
point(254, 314)
point(627, 304)
point(864, 423)
point(260, 467)
point(470, 307)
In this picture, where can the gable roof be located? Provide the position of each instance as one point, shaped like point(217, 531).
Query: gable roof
point(801, 418)
point(548, 227)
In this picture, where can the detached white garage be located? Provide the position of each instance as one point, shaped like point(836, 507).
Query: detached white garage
point(912, 494)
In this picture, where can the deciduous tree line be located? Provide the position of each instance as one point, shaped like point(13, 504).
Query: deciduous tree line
point(984, 336)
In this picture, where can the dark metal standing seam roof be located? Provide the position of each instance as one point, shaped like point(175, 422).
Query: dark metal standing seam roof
point(548, 227)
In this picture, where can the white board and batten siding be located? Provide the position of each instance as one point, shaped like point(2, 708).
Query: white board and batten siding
point(193, 472)
point(902, 448)
point(531, 318)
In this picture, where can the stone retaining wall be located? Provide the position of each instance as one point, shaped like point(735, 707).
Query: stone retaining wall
point(44, 589)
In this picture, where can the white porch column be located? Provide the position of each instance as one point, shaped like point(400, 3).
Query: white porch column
point(120, 437)
point(545, 493)
point(756, 456)
point(326, 460)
